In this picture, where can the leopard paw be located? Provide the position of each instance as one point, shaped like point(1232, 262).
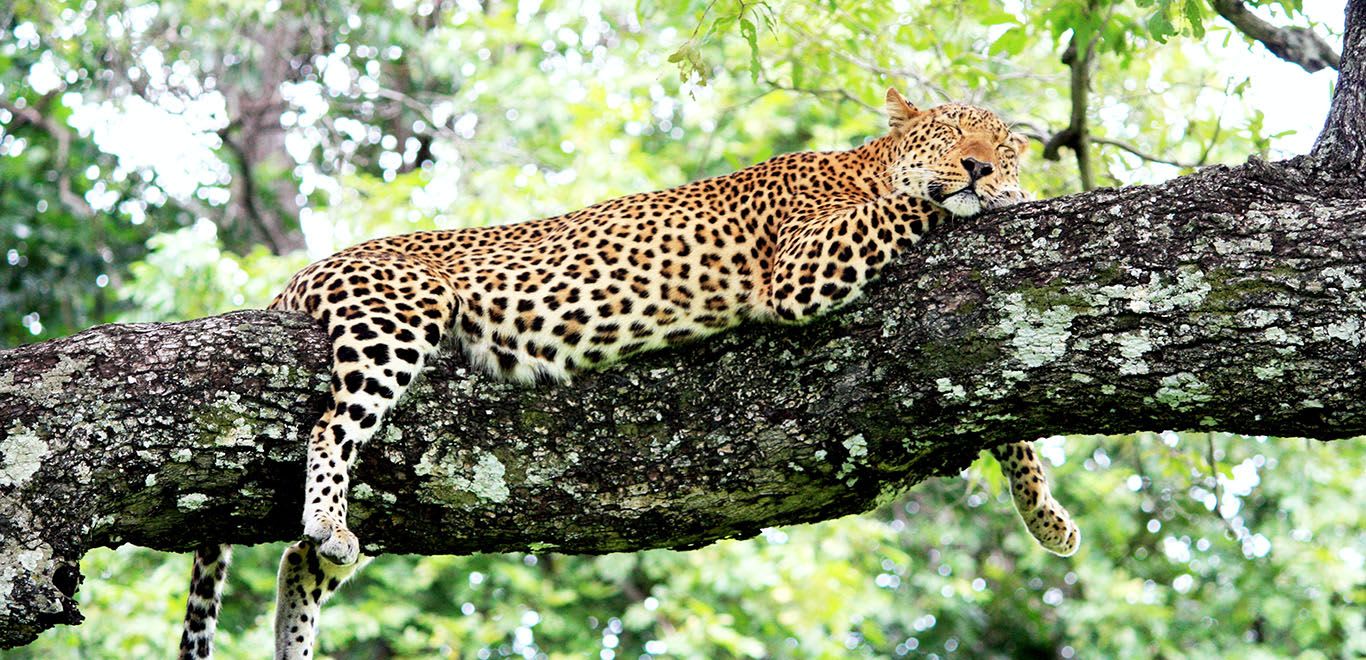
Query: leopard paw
point(334, 541)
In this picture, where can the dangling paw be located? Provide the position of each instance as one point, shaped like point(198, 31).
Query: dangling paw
point(334, 541)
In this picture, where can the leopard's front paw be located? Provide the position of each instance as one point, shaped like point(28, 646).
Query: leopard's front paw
point(334, 541)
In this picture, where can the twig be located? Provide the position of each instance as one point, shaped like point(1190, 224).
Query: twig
point(1143, 154)
point(266, 229)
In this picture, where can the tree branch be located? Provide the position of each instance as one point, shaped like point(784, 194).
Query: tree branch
point(1076, 136)
point(1296, 45)
point(1230, 299)
point(1341, 146)
point(73, 202)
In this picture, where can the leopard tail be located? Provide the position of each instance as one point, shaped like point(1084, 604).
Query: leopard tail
point(206, 594)
point(1047, 520)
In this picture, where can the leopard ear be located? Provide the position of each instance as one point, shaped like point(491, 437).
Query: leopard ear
point(1018, 141)
point(899, 112)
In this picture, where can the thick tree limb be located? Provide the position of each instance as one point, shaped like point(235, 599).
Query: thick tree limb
point(1231, 299)
point(1296, 45)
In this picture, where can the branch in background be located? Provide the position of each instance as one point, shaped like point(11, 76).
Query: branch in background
point(1341, 146)
point(924, 87)
point(268, 230)
point(62, 134)
point(1076, 136)
point(1296, 45)
point(832, 92)
point(1034, 134)
point(1145, 155)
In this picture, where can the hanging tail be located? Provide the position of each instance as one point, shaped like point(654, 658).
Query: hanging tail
point(1047, 520)
point(206, 593)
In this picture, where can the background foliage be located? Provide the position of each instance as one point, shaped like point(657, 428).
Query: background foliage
point(174, 160)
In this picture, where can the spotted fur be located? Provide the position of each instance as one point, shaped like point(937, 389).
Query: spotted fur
point(786, 240)
point(206, 593)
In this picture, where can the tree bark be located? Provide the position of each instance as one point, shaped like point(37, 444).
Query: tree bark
point(1231, 299)
point(1341, 146)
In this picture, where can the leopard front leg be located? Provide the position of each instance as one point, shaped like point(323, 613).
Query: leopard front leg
point(325, 488)
point(823, 262)
point(385, 313)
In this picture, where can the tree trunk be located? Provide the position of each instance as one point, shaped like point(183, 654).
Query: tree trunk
point(1231, 299)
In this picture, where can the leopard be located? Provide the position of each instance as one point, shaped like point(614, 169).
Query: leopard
point(785, 241)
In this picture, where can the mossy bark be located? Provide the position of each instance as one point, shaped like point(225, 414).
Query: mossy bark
point(1231, 299)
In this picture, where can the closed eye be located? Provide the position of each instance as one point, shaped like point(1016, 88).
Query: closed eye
point(954, 125)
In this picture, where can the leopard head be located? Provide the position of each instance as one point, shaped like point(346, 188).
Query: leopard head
point(960, 157)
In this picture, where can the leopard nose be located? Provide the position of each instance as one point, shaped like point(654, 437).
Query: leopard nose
point(976, 168)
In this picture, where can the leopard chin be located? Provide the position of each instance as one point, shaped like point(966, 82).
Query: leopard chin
point(963, 204)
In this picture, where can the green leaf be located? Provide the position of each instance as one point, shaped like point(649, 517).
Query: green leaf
point(1012, 42)
point(1195, 14)
point(1160, 28)
point(751, 36)
point(689, 61)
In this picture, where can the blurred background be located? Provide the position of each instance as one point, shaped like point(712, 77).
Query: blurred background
point(164, 161)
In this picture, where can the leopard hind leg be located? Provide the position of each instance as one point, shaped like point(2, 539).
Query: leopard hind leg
point(304, 583)
point(1046, 519)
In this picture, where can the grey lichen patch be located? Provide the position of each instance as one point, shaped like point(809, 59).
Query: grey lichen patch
point(1348, 330)
point(856, 447)
point(226, 418)
point(1287, 342)
point(21, 455)
point(280, 376)
point(25, 563)
point(1187, 290)
point(446, 481)
point(191, 501)
point(1037, 336)
point(1243, 246)
point(362, 492)
point(1346, 279)
point(1257, 318)
point(49, 384)
point(548, 468)
point(1182, 391)
point(60, 374)
point(1268, 372)
point(951, 391)
point(1130, 348)
point(841, 351)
